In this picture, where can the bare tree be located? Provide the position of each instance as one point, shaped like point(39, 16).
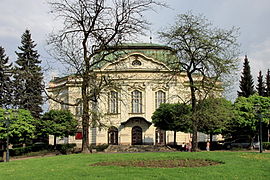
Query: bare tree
point(206, 54)
point(92, 30)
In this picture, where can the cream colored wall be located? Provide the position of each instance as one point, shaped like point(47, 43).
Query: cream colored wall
point(148, 82)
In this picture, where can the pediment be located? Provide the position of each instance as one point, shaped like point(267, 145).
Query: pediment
point(135, 62)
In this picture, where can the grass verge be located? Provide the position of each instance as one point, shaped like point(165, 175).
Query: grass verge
point(236, 165)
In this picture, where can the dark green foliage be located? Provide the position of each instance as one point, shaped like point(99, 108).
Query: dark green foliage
point(59, 123)
point(260, 86)
point(266, 145)
point(65, 148)
point(267, 83)
point(99, 148)
point(246, 120)
point(19, 126)
point(246, 82)
point(173, 117)
point(213, 114)
point(62, 148)
point(28, 77)
point(5, 80)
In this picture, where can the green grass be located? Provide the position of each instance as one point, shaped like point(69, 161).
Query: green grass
point(237, 165)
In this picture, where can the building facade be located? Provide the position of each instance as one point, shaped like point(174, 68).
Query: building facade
point(141, 82)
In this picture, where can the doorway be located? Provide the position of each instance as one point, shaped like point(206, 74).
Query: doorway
point(136, 135)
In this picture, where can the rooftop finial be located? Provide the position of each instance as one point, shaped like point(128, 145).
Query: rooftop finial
point(150, 37)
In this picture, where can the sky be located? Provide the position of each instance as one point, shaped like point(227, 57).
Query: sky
point(252, 17)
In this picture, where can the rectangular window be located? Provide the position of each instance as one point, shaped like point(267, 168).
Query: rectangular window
point(136, 102)
point(113, 102)
point(160, 97)
point(79, 108)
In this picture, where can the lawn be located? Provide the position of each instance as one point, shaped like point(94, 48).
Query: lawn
point(236, 165)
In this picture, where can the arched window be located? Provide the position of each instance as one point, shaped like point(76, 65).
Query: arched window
point(136, 101)
point(113, 102)
point(160, 97)
point(136, 63)
point(79, 108)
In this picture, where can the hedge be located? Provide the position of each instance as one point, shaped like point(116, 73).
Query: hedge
point(62, 148)
point(266, 145)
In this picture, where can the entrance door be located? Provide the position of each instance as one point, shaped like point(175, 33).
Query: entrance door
point(136, 135)
point(113, 136)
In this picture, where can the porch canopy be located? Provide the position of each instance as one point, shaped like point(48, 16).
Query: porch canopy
point(136, 119)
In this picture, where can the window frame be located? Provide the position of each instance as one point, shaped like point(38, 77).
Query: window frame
point(113, 102)
point(79, 108)
point(136, 102)
point(160, 98)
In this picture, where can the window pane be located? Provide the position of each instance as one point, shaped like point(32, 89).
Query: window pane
point(79, 108)
point(160, 97)
point(113, 102)
point(136, 102)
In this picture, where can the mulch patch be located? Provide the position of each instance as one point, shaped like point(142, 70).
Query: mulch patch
point(160, 163)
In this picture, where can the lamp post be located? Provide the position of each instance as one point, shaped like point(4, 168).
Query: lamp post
point(260, 132)
point(258, 110)
point(7, 126)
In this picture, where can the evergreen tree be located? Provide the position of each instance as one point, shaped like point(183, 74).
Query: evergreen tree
point(246, 82)
point(260, 86)
point(5, 80)
point(28, 77)
point(267, 80)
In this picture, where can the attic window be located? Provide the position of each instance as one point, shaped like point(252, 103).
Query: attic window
point(136, 63)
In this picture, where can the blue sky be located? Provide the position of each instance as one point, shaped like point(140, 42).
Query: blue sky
point(252, 17)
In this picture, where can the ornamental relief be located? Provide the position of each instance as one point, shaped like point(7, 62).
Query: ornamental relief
point(164, 87)
point(136, 61)
point(139, 86)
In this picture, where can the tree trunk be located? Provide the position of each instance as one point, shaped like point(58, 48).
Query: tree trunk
point(54, 141)
point(194, 122)
point(85, 116)
point(174, 138)
point(211, 140)
point(85, 99)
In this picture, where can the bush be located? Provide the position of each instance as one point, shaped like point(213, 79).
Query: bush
point(23, 150)
point(65, 148)
point(18, 151)
point(99, 148)
point(266, 145)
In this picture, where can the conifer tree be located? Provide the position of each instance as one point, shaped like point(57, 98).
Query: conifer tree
point(267, 84)
point(28, 77)
point(5, 80)
point(246, 82)
point(260, 86)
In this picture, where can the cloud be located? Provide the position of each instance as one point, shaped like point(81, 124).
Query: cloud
point(259, 57)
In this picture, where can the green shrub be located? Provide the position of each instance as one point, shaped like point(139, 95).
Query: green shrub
point(20, 151)
point(99, 148)
point(65, 148)
point(266, 145)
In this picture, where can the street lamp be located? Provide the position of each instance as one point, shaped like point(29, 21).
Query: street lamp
point(258, 110)
point(7, 127)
